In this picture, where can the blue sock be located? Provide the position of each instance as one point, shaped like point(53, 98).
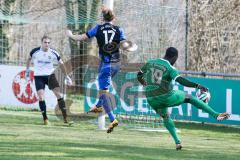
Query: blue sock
point(106, 103)
point(99, 103)
point(107, 106)
point(111, 116)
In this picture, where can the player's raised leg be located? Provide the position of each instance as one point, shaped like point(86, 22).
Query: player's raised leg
point(106, 72)
point(108, 107)
point(206, 108)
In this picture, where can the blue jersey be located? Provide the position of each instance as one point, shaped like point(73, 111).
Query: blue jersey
point(107, 33)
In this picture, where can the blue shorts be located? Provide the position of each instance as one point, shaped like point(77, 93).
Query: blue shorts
point(105, 73)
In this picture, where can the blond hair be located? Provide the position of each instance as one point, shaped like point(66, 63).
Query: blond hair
point(108, 14)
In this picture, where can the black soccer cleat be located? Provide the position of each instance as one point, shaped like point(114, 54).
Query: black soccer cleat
point(178, 147)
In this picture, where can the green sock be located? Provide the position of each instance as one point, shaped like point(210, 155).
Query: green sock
point(203, 106)
point(169, 124)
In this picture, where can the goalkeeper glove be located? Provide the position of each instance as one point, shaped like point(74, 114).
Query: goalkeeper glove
point(141, 79)
point(68, 81)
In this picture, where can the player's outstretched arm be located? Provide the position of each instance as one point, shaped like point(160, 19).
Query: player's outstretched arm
point(187, 83)
point(80, 37)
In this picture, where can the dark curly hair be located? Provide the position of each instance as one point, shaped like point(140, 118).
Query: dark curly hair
point(171, 52)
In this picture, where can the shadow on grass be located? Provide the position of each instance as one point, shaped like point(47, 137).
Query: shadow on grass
point(208, 126)
point(67, 150)
point(52, 143)
point(35, 118)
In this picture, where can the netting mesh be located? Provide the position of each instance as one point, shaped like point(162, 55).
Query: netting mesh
point(152, 24)
point(24, 22)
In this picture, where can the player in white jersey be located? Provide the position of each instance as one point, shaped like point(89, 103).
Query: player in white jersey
point(43, 59)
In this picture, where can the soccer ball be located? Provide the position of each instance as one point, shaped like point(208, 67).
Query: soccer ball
point(125, 45)
point(203, 96)
point(128, 46)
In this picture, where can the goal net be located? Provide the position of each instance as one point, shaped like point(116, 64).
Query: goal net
point(153, 25)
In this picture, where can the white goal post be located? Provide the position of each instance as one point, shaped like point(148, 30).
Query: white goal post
point(102, 116)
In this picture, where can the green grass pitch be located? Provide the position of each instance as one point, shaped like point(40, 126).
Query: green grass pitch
point(23, 137)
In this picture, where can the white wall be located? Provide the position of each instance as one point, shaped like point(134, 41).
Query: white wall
point(17, 92)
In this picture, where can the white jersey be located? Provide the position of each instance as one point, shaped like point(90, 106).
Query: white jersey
point(43, 61)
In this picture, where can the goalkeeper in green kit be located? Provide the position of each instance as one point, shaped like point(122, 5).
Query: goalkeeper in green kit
point(156, 76)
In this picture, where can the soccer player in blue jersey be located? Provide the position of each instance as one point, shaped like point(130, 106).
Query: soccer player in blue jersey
point(108, 38)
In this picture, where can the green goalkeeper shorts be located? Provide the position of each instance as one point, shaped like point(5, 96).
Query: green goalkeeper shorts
point(173, 98)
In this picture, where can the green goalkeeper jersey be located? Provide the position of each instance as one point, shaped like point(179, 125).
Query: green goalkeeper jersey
point(158, 74)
